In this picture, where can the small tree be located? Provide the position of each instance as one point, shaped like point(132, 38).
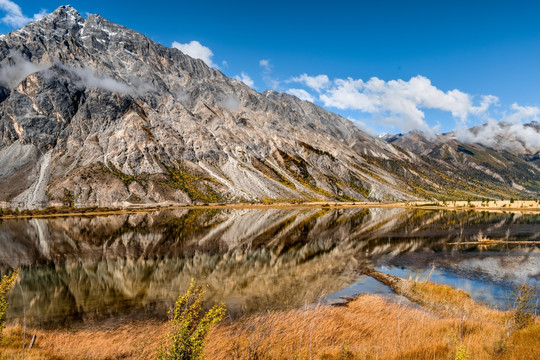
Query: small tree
point(5, 284)
point(189, 326)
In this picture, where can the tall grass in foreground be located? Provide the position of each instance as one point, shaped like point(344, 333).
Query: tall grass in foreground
point(5, 284)
point(447, 325)
point(189, 326)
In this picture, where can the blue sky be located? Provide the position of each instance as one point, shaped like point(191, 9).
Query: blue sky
point(391, 65)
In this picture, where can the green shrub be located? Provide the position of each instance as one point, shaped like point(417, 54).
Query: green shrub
point(5, 285)
point(461, 353)
point(69, 199)
point(522, 305)
point(189, 326)
point(181, 178)
point(345, 353)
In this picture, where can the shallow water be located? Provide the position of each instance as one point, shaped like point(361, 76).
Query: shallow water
point(112, 268)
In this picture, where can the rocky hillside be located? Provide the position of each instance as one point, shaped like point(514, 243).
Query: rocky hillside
point(93, 113)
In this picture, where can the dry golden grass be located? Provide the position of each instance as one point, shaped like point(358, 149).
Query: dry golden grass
point(369, 327)
point(499, 205)
point(131, 341)
point(372, 328)
point(449, 302)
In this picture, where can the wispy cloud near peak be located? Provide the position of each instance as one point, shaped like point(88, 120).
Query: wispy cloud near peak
point(243, 77)
point(196, 50)
point(301, 94)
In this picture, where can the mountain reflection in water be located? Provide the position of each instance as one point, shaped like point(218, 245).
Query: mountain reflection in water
point(95, 268)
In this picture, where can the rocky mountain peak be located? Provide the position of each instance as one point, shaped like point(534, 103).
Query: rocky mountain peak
point(103, 29)
point(64, 18)
point(66, 13)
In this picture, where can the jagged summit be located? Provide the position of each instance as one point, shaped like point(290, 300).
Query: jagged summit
point(64, 13)
point(93, 113)
point(63, 18)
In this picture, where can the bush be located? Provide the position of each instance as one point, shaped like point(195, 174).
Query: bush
point(523, 306)
point(5, 285)
point(189, 326)
point(461, 353)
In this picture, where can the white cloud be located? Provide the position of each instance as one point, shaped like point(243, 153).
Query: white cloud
point(485, 103)
point(510, 134)
point(231, 103)
point(182, 96)
point(301, 94)
point(266, 65)
point(347, 94)
point(514, 137)
point(89, 79)
point(243, 77)
point(317, 83)
point(140, 86)
point(522, 113)
point(398, 102)
point(14, 16)
point(196, 50)
point(11, 74)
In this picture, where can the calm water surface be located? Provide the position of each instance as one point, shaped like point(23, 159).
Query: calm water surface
point(111, 268)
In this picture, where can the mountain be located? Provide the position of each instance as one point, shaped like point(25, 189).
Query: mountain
point(494, 154)
point(93, 113)
point(521, 140)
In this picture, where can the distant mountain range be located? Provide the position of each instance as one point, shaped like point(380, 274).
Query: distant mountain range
point(93, 113)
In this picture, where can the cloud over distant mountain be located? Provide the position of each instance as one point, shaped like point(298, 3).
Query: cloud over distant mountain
point(400, 102)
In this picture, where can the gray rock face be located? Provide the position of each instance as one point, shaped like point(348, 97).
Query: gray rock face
point(93, 113)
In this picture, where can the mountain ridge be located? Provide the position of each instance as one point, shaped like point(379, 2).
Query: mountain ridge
point(93, 113)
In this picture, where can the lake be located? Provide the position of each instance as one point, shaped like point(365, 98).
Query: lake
point(79, 270)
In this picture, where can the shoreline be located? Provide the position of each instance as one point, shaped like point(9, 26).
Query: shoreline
point(522, 206)
point(445, 322)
